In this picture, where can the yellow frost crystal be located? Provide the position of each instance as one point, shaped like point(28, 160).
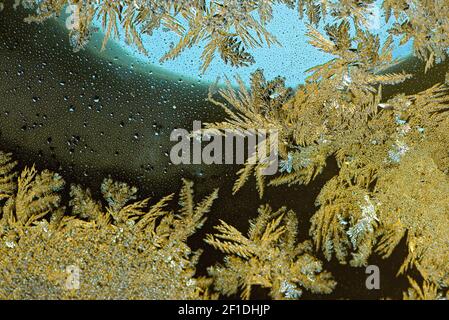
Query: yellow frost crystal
point(128, 250)
point(269, 257)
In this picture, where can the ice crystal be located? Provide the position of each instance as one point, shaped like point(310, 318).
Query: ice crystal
point(290, 291)
point(145, 259)
point(400, 148)
point(365, 224)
